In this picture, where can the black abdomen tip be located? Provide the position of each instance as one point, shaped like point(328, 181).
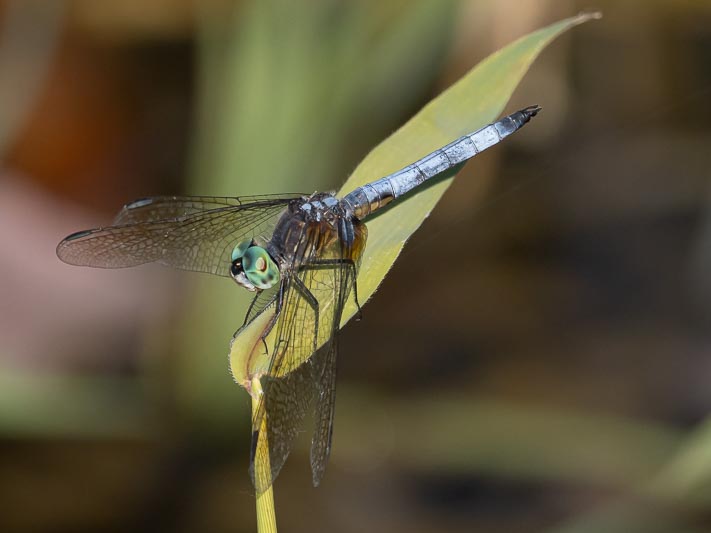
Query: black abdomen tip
point(524, 115)
point(530, 112)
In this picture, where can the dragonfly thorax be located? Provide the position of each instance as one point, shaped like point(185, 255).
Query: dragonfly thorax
point(252, 267)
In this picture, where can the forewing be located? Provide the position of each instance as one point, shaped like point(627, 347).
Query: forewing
point(171, 207)
point(197, 240)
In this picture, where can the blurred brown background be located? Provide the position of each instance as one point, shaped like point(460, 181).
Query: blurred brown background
point(556, 381)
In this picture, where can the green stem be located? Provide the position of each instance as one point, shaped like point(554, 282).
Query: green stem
point(266, 515)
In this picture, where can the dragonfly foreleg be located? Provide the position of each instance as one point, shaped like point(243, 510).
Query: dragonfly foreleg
point(249, 309)
point(273, 320)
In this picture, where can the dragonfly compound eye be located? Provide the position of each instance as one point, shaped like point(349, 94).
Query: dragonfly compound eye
point(259, 267)
point(237, 268)
point(239, 250)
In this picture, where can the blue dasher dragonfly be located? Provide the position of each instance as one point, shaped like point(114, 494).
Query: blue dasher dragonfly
point(300, 255)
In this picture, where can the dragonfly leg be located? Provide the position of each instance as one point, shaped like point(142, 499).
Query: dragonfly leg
point(274, 318)
point(325, 263)
point(249, 309)
point(313, 302)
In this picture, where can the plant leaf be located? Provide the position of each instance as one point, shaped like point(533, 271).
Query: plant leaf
point(472, 102)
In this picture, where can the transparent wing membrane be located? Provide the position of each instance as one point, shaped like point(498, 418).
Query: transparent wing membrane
point(325, 367)
point(174, 207)
point(286, 401)
point(324, 377)
point(300, 380)
point(193, 239)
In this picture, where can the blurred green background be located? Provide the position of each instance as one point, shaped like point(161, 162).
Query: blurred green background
point(557, 379)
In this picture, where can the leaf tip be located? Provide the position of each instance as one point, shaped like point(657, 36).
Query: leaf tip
point(585, 16)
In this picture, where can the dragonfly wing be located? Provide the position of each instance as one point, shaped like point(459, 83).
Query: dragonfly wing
point(285, 401)
point(170, 207)
point(324, 368)
point(308, 319)
point(196, 239)
point(284, 405)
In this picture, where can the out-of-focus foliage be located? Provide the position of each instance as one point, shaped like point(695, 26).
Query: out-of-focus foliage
point(536, 361)
point(31, 26)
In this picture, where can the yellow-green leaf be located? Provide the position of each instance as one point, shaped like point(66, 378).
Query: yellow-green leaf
point(472, 102)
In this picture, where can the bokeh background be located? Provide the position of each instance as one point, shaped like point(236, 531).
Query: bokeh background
point(539, 359)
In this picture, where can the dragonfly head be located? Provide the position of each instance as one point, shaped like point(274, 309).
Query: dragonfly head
point(252, 267)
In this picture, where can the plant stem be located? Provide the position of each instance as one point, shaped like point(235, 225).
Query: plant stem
point(266, 515)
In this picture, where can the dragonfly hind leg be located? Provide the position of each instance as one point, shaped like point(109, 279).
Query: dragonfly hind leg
point(313, 302)
point(325, 263)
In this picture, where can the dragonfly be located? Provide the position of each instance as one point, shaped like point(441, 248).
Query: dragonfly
point(300, 255)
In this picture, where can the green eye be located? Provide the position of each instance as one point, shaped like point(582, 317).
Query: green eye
point(259, 267)
point(239, 250)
